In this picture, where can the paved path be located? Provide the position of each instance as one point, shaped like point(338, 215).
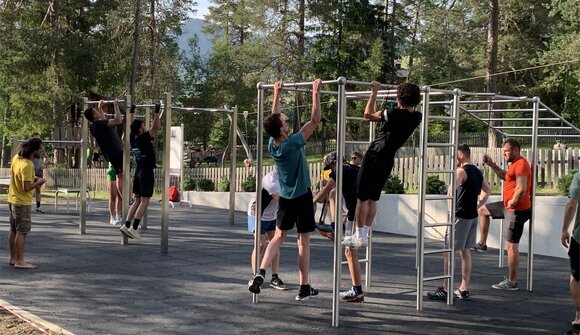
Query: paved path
point(91, 284)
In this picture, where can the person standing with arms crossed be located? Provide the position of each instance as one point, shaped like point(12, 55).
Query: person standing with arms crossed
point(572, 243)
point(295, 204)
point(397, 125)
point(516, 208)
point(22, 185)
point(144, 181)
point(39, 165)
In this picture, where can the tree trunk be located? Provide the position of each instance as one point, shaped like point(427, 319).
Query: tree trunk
point(494, 139)
point(300, 63)
point(414, 32)
point(135, 56)
point(57, 108)
point(153, 70)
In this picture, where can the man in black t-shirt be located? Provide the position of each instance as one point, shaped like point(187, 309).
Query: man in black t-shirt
point(397, 125)
point(103, 130)
point(144, 181)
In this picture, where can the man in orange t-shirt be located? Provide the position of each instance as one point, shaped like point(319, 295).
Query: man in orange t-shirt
point(516, 208)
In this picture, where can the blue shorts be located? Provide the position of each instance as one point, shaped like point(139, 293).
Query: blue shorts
point(265, 227)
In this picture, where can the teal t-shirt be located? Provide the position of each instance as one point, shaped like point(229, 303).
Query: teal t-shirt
point(290, 160)
point(575, 194)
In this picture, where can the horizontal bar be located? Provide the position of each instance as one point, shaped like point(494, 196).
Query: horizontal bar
point(149, 106)
point(520, 119)
point(439, 117)
point(498, 101)
point(302, 84)
point(440, 145)
point(56, 141)
point(439, 224)
point(201, 110)
point(440, 171)
point(437, 197)
point(545, 135)
point(307, 90)
point(366, 93)
point(433, 252)
point(356, 118)
point(368, 83)
point(530, 127)
point(437, 103)
point(122, 115)
point(477, 94)
point(436, 278)
point(104, 101)
point(504, 110)
point(365, 260)
point(356, 142)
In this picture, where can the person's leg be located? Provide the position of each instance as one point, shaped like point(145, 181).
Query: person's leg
point(303, 242)
point(353, 266)
point(513, 261)
point(37, 196)
point(262, 249)
point(371, 212)
point(362, 208)
point(575, 290)
point(276, 257)
point(12, 245)
point(484, 215)
point(113, 199)
point(465, 255)
point(119, 182)
point(20, 263)
point(273, 247)
point(132, 211)
point(332, 204)
point(142, 208)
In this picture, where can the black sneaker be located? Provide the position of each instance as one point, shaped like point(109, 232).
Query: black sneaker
point(255, 283)
point(278, 284)
point(305, 294)
point(462, 295)
point(480, 247)
point(439, 294)
point(38, 210)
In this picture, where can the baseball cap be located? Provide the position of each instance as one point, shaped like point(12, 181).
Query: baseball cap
point(329, 159)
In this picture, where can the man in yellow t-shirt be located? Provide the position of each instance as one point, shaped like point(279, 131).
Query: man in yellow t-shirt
point(22, 185)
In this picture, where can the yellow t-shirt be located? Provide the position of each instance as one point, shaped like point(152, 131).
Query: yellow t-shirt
point(21, 170)
point(326, 175)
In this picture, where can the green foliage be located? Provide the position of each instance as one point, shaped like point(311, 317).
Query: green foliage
point(224, 185)
point(565, 181)
point(206, 185)
point(434, 185)
point(189, 183)
point(394, 185)
point(249, 185)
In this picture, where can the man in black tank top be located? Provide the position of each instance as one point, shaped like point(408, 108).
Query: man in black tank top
point(472, 193)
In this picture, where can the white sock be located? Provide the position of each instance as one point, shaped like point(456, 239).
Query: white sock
point(348, 230)
point(365, 231)
point(358, 232)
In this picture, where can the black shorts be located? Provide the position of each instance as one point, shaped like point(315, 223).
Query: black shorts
point(144, 182)
point(574, 253)
point(372, 176)
point(514, 220)
point(298, 210)
point(117, 163)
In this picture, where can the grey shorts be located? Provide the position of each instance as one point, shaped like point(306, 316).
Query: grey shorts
point(20, 218)
point(465, 233)
point(514, 220)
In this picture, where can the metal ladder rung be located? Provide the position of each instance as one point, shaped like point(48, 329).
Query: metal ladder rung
point(441, 117)
point(438, 224)
point(441, 171)
point(436, 278)
point(360, 118)
point(438, 251)
point(440, 145)
point(360, 261)
point(437, 197)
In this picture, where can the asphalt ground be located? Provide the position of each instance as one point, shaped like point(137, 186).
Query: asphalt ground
point(91, 284)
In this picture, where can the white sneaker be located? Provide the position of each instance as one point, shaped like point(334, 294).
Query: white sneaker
point(360, 242)
point(125, 231)
point(118, 219)
point(134, 233)
point(347, 241)
point(113, 221)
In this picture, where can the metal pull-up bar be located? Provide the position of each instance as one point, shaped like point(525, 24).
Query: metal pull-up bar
point(96, 102)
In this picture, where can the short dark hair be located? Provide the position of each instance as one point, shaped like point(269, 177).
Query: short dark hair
point(135, 126)
point(465, 149)
point(272, 125)
point(89, 114)
point(409, 94)
point(357, 154)
point(27, 148)
point(513, 143)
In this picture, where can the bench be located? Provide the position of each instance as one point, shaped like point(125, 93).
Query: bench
point(68, 191)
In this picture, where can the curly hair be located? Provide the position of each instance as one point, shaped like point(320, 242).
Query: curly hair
point(409, 94)
point(272, 125)
point(29, 147)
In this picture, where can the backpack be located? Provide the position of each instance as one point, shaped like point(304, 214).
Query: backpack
point(173, 194)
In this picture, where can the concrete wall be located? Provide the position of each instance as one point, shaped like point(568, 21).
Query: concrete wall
point(398, 214)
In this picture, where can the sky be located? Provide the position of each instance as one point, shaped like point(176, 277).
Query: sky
point(201, 9)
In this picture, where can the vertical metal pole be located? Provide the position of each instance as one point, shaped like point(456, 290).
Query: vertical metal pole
point(259, 169)
point(369, 255)
point(421, 210)
point(126, 165)
point(182, 156)
point(533, 164)
point(233, 158)
point(341, 126)
point(501, 250)
point(165, 196)
point(83, 172)
point(147, 126)
point(454, 132)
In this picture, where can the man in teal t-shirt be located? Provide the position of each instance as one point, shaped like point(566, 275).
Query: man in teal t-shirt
point(572, 243)
point(295, 206)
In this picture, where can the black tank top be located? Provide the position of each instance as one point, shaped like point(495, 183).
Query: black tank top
point(468, 193)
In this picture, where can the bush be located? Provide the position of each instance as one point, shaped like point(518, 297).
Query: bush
point(205, 185)
point(249, 185)
point(565, 181)
point(188, 184)
point(394, 185)
point(224, 185)
point(434, 185)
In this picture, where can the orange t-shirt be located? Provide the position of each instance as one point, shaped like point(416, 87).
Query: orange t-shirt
point(520, 167)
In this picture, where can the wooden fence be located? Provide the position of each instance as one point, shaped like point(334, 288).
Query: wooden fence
point(551, 165)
